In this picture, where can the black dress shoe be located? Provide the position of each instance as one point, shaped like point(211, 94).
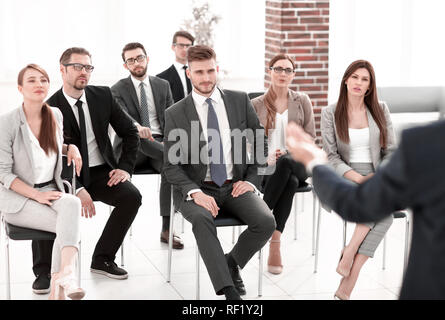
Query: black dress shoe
point(236, 277)
point(109, 269)
point(41, 284)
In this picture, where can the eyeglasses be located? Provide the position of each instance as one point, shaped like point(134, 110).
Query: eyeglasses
point(182, 45)
point(280, 70)
point(79, 67)
point(131, 61)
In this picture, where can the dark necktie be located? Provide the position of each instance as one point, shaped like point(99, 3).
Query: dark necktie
point(85, 172)
point(187, 80)
point(144, 107)
point(217, 165)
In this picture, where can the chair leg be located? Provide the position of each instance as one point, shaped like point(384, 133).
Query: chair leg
point(384, 253)
point(317, 243)
point(233, 235)
point(8, 273)
point(314, 203)
point(405, 254)
point(170, 239)
point(345, 225)
point(260, 273)
point(79, 264)
point(295, 215)
point(182, 226)
point(197, 273)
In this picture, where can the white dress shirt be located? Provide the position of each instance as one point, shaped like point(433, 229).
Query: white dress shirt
point(94, 156)
point(180, 69)
point(152, 115)
point(44, 165)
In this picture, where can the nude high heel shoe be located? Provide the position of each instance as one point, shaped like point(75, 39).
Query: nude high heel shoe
point(274, 265)
point(68, 284)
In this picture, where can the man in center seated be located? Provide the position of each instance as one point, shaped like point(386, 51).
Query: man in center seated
point(217, 177)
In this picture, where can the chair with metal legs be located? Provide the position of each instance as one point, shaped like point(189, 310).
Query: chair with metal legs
point(397, 215)
point(221, 220)
point(13, 232)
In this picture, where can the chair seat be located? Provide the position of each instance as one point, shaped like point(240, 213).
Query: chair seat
point(20, 233)
point(223, 220)
point(145, 170)
point(400, 214)
point(304, 187)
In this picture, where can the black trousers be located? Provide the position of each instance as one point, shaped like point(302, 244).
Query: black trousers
point(126, 200)
point(151, 154)
point(279, 188)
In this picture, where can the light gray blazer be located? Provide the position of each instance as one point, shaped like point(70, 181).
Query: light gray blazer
point(16, 158)
point(338, 151)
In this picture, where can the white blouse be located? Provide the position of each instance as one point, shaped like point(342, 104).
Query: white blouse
point(360, 151)
point(277, 136)
point(44, 165)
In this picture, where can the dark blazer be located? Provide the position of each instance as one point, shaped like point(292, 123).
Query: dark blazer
point(104, 111)
point(126, 96)
point(414, 177)
point(172, 76)
point(189, 172)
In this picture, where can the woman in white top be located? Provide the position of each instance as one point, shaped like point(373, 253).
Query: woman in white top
point(357, 135)
point(278, 106)
point(31, 189)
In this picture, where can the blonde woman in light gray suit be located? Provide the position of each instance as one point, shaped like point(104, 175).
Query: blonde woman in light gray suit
point(31, 188)
point(357, 136)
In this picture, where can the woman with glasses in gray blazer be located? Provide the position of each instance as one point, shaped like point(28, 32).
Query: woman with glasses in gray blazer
point(358, 135)
point(31, 188)
point(275, 109)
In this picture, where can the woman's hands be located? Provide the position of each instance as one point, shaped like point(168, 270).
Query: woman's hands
point(74, 154)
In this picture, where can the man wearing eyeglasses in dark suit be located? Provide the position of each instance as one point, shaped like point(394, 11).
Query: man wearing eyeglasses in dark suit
point(145, 99)
point(88, 111)
point(180, 84)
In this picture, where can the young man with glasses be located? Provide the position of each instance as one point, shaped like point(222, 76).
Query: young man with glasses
point(176, 75)
point(145, 99)
point(87, 113)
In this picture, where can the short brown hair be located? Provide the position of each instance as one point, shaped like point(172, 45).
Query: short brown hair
point(184, 34)
point(132, 46)
point(66, 55)
point(200, 53)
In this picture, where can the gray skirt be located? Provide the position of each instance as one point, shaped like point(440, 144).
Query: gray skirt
point(378, 229)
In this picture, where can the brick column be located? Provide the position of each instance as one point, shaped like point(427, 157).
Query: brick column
point(300, 28)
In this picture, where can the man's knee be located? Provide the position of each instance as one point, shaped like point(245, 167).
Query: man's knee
point(129, 196)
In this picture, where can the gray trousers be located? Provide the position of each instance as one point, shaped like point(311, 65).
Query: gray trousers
point(249, 208)
point(62, 218)
point(378, 229)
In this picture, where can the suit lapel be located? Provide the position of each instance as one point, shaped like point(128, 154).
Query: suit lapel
point(25, 135)
point(95, 112)
point(230, 110)
point(177, 80)
point(132, 92)
point(156, 90)
point(192, 116)
point(67, 111)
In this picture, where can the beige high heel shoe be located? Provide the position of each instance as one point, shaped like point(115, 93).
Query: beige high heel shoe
point(274, 265)
point(68, 284)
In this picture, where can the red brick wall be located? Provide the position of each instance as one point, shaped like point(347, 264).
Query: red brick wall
point(300, 28)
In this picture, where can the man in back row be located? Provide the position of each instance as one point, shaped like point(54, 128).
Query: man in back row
point(176, 75)
point(145, 99)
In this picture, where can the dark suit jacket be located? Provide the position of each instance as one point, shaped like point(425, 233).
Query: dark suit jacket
point(126, 96)
point(187, 175)
point(415, 178)
point(172, 76)
point(104, 111)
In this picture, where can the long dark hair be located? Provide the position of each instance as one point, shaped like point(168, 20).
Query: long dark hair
point(371, 102)
point(271, 95)
point(47, 139)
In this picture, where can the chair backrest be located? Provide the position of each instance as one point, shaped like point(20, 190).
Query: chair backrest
point(254, 94)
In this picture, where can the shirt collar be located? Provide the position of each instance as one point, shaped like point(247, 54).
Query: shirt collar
point(201, 100)
point(137, 82)
point(179, 66)
point(72, 101)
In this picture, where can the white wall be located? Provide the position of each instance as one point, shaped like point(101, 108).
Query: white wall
point(39, 31)
point(403, 39)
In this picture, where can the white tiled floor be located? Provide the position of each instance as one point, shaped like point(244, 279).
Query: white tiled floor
point(146, 261)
